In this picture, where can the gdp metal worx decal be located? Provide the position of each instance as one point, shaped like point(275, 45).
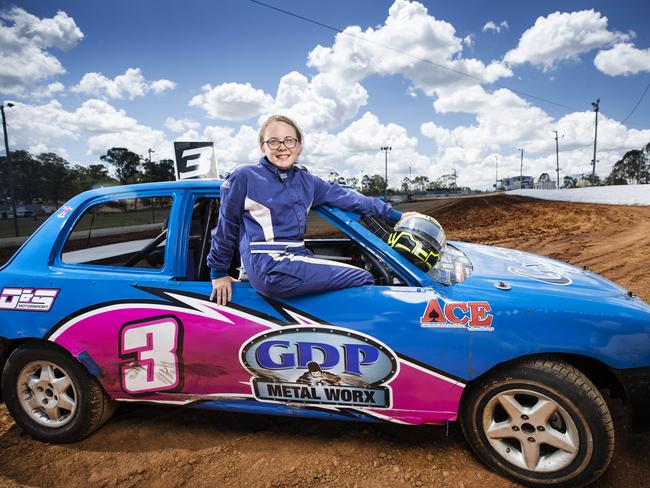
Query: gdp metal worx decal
point(325, 365)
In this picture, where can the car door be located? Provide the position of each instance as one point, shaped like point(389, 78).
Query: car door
point(366, 350)
point(116, 247)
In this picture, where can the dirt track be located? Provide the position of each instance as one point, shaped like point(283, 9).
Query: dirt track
point(163, 446)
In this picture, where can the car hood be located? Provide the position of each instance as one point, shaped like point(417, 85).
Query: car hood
point(518, 269)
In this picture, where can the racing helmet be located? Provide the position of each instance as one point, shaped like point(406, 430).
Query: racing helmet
point(420, 239)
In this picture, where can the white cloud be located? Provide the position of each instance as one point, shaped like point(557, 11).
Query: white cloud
point(505, 122)
point(232, 101)
point(160, 86)
point(491, 25)
point(129, 85)
point(232, 148)
point(99, 116)
point(138, 139)
point(181, 125)
point(24, 43)
point(47, 91)
point(469, 39)
point(561, 36)
point(319, 104)
point(408, 36)
point(45, 126)
point(356, 149)
point(623, 59)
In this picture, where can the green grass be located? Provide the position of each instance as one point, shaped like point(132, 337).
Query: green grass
point(26, 226)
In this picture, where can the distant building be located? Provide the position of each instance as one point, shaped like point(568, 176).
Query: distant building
point(545, 185)
point(516, 183)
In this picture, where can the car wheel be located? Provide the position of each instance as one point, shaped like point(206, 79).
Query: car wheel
point(52, 396)
point(541, 422)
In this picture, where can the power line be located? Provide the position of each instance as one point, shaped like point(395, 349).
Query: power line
point(404, 53)
point(637, 103)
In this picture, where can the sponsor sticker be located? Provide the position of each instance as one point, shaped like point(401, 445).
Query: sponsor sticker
point(320, 365)
point(475, 316)
point(64, 211)
point(31, 299)
point(534, 268)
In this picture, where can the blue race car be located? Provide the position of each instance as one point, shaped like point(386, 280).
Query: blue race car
point(109, 301)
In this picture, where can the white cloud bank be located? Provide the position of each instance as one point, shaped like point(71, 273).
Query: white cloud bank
point(410, 43)
point(623, 59)
point(25, 41)
point(129, 85)
point(505, 122)
point(100, 123)
point(232, 101)
point(562, 36)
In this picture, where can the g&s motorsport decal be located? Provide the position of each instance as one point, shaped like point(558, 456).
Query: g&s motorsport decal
point(30, 299)
point(322, 365)
point(470, 315)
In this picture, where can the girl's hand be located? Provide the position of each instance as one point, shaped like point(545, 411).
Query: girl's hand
point(222, 289)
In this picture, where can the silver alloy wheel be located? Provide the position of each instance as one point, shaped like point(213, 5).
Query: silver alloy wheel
point(47, 394)
point(531, 430)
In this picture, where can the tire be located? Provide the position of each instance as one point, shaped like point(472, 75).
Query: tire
point(540, 422)
point(52, 396)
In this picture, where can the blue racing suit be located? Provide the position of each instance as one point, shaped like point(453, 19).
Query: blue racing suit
point(264, 209)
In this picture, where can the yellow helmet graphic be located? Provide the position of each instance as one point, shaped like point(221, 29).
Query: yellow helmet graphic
point(420, 239)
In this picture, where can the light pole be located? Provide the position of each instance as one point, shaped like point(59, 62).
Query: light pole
point(596, 106)
point(521, 171)
point(10, 174)
point(386, 149)
point(496, 173)
point(557, 159)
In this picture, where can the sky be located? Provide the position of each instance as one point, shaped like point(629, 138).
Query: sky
point(450, 86)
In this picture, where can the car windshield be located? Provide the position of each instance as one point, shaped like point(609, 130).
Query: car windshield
point(454, 267)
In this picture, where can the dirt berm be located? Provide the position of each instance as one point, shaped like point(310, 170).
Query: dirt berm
point(162, 446)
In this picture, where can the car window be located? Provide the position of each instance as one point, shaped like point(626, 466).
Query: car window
point(126, 232)
point(204, 218)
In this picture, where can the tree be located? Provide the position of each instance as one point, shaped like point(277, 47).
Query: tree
point(406, 184)
point(420, 183)
point(57, 177)
point(84, 178)
point(633, 167)
point(569, 182)
point(353, 182)
point(27, 177)
point(126, 163)
point(544, 178)
point(447, 181)
point(159, 171)
point(372, 185)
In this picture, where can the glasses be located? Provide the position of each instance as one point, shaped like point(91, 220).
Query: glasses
point(289, 143)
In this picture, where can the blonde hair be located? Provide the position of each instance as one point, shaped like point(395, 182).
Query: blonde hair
point(279, 118)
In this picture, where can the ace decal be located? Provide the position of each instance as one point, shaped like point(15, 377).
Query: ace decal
point(469, 315)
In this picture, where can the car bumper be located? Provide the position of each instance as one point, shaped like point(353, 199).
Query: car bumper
point(636, 382)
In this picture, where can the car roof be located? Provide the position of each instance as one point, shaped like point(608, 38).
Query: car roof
point(196, 184)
